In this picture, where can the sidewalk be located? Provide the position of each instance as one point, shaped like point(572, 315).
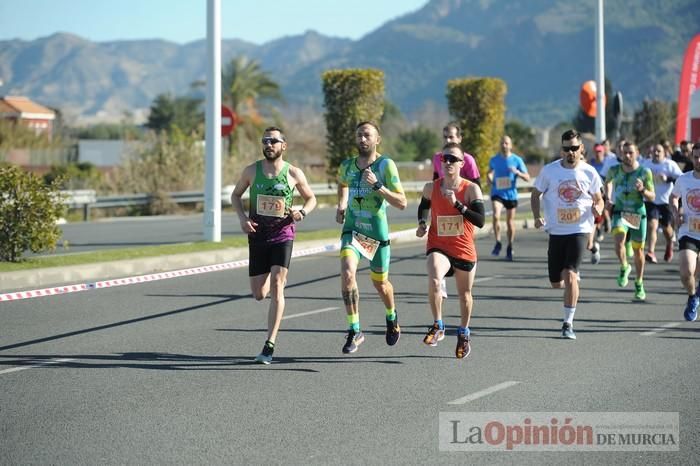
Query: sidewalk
point(86, 275)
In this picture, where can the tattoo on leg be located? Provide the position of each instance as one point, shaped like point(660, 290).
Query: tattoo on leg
point(351, 297)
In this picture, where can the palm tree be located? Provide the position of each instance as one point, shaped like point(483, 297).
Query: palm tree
point(244, 85)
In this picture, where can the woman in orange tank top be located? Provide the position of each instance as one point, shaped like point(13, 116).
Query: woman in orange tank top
point(456, 207)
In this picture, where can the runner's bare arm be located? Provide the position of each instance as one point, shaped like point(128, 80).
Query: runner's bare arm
point(343, 192)
point(305, 192)
point(247, 225)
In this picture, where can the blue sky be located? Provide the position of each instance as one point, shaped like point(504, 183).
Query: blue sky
point(182, 21)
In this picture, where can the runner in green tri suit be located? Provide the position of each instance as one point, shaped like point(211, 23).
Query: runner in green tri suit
point(630, 184)
point(366, 184)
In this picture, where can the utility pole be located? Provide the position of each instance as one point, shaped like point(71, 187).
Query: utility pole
point(600, 74)
point(212, 188)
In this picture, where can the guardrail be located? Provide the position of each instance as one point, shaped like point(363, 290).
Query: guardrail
point(87, 199)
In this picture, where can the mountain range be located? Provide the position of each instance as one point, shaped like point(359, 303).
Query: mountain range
point(542, 49)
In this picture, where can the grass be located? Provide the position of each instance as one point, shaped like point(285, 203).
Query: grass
point(108, 255)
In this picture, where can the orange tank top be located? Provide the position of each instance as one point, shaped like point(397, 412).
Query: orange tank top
point(449, 231)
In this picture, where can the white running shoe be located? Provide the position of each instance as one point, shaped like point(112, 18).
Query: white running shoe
point(595, 253)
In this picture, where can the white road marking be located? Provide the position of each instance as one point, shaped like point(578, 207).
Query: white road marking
point(317, 311)
point(485, 279)
point(33, 366)
point(663, 328)
point(482, 393)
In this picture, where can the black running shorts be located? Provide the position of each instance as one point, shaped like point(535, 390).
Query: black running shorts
point(262, 256)
point(565, 252)
point(455, 263)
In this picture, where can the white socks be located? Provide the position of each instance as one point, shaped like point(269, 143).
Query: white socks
point(569, 314)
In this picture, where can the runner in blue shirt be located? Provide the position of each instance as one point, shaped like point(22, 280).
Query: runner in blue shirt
point(504, 170)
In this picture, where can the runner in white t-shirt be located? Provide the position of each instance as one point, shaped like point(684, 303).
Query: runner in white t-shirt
point(664, 171)
point(687, 189)
point(571, 190)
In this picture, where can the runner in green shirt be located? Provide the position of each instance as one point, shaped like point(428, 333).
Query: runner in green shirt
point(628, 185)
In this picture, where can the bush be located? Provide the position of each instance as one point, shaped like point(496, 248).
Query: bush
point(350, 96)
point(81, 175)
point(28, 213)
point(478, 104)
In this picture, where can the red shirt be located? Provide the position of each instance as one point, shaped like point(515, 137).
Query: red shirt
point(449, 231)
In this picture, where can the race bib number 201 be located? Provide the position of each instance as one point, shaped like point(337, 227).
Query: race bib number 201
point(694, 224)
point(568, 216)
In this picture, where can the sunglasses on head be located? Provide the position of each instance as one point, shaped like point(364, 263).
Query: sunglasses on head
point(269, 140)
point(570, 148)
point(449, 158)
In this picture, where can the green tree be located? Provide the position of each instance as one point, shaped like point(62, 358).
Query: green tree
point(349, 96)
point(183, 112)
point(421, 142)
point(28, 213)
point(245, 88)
point(81, 175)
point(524, 142)
point(653, 122)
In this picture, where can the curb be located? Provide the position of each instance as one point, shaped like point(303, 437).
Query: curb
point(70, 279)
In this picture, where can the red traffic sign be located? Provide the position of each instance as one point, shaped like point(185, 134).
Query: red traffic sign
point(229, 120)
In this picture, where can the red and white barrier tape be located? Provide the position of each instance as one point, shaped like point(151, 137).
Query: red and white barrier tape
point(38, 293)
point(17, 295)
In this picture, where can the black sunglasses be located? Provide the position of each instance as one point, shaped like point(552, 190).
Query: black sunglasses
point(570, 148)
point(272, 141)
point(449, 158)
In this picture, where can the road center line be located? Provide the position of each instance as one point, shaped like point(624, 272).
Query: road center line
point(482, 393)
point(34, 366)
point(663, 328)
point(317, 311)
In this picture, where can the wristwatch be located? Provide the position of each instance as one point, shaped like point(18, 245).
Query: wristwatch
point(377, 186)
point(302, 212)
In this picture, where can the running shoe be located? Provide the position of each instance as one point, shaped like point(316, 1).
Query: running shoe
point(443, 288)
point(623, 278)
point(496, 249)
point(651, 257)
point(600, 236)
point(567, 331)
point(691, 309)
point(595, 253)
point(639, 293)
point(265, 356)
point(354, 339)
point(434, 335)
point(509, 254)
point(463, 347)
point(393, 331)
point(668, 255)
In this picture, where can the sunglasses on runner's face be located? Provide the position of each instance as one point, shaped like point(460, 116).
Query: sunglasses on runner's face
point(272, 141)
point(449, 158)
point(570, 148)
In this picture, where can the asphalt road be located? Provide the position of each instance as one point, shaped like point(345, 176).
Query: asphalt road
point(162, 372)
